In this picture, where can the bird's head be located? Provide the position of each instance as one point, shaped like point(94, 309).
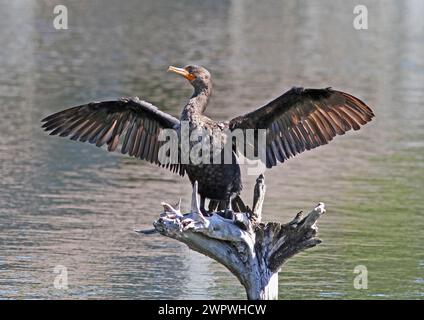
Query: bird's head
point(199, 77)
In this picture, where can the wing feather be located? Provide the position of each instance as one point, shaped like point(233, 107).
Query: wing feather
point(130, 123)
point(303, 119)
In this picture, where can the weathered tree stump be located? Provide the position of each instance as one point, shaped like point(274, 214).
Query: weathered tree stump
point(253, 251)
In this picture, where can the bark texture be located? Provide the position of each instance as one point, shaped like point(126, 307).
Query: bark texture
point(252, 250)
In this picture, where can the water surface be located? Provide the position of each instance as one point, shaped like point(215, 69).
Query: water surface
point(71, 204)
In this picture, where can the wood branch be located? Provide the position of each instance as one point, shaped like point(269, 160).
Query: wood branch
point(253, 251)
point(258, 198)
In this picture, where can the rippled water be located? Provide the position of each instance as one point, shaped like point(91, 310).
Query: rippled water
point(71, 204)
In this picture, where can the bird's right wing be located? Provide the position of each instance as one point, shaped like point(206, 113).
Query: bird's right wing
point(130, 123)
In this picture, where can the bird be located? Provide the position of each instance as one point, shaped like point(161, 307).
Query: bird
point(298, 120)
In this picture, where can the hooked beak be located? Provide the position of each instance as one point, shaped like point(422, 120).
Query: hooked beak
point(183, 72)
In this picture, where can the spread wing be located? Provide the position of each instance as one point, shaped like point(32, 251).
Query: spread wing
point(303, 119)
point(130, 123)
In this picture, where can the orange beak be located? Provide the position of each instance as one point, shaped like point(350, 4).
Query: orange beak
point(183, 72)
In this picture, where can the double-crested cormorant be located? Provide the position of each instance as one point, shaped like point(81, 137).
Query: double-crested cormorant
point(299, 120)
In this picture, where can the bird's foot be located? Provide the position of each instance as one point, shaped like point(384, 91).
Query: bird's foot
point(205, 212)
point(229, 214)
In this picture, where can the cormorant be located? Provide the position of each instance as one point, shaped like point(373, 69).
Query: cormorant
point(299, 120)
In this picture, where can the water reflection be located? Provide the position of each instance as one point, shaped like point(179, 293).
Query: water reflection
point(72, 204)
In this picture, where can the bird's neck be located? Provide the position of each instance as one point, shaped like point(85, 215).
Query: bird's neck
point(197, 103)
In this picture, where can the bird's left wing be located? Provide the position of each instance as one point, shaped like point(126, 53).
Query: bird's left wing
point(130, 122)
point(303, 119)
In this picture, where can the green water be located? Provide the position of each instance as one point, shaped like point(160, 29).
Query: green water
point(71, 204)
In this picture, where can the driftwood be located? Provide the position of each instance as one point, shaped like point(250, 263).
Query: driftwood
point(253, 251)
